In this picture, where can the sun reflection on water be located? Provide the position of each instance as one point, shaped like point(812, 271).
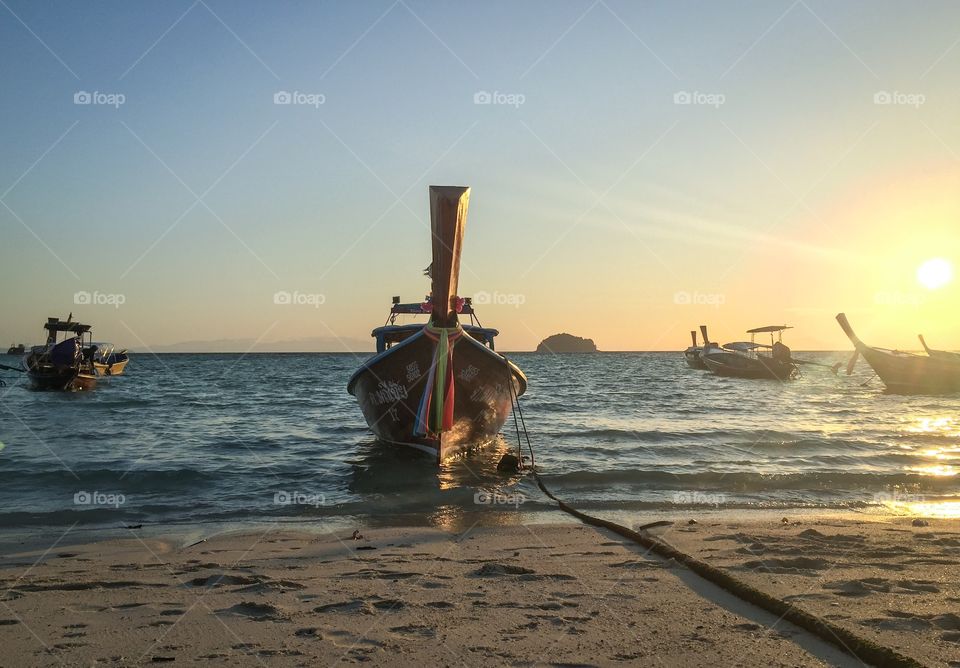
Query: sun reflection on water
point(942, 509)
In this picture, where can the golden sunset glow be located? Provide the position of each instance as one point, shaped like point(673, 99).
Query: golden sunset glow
point(934, 274)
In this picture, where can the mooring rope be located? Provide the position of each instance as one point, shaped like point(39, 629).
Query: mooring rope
point(860, 648)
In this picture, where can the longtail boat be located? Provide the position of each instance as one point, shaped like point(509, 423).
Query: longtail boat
point(904, 372)
point(945, 355)
point(692, 354)
point(748, 359)
point(65, 365)
point(438, 387)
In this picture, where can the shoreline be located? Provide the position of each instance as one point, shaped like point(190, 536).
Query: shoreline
point(451, 518)
point(518, 594)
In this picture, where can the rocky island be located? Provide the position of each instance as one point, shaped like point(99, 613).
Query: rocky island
point(566, 343)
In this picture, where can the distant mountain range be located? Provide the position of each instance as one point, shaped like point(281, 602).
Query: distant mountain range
point(317, 344)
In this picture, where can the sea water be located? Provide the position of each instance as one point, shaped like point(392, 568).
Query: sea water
point(227, 440)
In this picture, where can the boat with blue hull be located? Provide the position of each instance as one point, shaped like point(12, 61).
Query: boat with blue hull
point(439, 388)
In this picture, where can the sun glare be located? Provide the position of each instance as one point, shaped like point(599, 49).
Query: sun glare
point(935, 273)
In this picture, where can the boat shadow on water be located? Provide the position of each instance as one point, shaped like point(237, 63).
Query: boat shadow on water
point(465, 491)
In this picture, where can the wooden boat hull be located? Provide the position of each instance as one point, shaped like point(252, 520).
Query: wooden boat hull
point(693, 360)
point(67, 380)
point(913, 374)
point(731, 365)
point(389, 388)
point(114, 369)
point(905, 373)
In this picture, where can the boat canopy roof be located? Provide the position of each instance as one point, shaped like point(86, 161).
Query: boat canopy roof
point(392, 334)
point(768, 328)
point(57, 325)
point(743, 346)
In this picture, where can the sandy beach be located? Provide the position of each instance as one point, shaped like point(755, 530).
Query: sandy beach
point(522, 595)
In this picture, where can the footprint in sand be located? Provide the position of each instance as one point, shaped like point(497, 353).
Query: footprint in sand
point(868, 586)
point(418, 630)
point(224, 579)
point(796, 565)
point(258, 612)
point(361, 606)
point(863, 587)
point(346, 639)
point(171, 613)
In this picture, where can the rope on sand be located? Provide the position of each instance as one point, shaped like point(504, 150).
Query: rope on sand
point(860, 648)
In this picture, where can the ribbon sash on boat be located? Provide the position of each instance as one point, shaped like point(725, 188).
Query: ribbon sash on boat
point(435, 413)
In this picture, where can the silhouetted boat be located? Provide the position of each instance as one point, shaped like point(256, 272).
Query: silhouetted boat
point(747, 359)
point(64, 365)
point(16, 349)
point(907, 373)
point(692, 354)
point(439, 387)
point(107, 361)
point(944, 355)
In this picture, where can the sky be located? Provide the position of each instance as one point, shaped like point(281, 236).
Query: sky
point(173, 170)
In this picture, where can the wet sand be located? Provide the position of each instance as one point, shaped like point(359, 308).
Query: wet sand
point(522, 595)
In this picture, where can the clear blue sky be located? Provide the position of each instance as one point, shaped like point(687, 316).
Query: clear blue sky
point(599, 191)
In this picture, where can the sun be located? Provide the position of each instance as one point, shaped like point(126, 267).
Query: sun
point(934, 273)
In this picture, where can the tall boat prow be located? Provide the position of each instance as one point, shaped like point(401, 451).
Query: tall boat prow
point(438, 387)
point(448, 216)
point(939, 354)
point(908, 373)
point(692, 354)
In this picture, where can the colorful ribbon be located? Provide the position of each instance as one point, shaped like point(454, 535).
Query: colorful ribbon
point(435, 412)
